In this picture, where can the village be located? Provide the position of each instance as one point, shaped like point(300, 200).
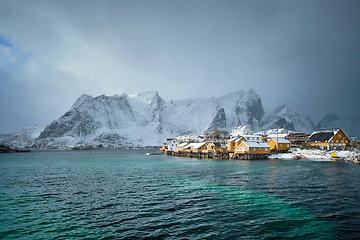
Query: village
point(241, 143)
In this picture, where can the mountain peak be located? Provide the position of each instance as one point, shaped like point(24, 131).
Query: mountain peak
point(251, 95)
point(151, 98)
point(281, 110)
point(251, 92)
point(83, 98)
point(119, 95)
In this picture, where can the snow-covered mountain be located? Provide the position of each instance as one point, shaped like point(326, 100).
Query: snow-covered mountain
point(283, 117)
point(23, 138)
point(350, 127)
point(144, 119)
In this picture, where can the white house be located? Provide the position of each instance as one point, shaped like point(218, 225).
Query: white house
point(171, 144)
point(240, 131)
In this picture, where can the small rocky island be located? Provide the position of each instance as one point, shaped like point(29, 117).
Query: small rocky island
point(7, 149)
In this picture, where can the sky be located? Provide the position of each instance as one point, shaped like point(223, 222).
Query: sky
point(305, 54)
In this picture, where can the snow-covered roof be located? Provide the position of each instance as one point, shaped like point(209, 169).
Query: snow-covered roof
point(257, 144)
point(331, 130)
point(182, 144)
point(280, 135)
point(198, 145)
point(169, 140)
point(281, 140)
point(190, 145)
point(241, 127)
point(232, 139)
point(240, 130)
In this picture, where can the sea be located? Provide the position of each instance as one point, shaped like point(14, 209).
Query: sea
point(125, 194)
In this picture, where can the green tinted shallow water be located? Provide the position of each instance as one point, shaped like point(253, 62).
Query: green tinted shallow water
point(125, 194)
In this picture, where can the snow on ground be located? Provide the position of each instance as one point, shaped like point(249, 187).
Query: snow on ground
point(315, 154)
point(188, 138)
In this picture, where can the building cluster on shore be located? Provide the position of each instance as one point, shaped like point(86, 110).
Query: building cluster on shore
point(242, 144)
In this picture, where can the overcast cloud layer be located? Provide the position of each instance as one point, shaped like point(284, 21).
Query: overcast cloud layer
point(305, 54)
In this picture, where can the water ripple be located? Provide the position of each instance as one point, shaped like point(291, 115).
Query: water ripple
point(126, 195)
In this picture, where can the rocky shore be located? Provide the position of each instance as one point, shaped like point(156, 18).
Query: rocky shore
point(297, 153)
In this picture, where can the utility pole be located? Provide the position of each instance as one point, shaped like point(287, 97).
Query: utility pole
point(277, 141)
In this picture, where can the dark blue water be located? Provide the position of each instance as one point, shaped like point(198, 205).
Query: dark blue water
point(123, 194)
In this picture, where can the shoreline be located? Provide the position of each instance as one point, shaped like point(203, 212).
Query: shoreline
point(297, 153)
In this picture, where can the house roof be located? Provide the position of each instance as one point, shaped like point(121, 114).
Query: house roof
point(197, 145)
point(238, 139)
point(333, 130)
point(190, 145)
point(281, 140)
point(256, 144)
point(241, 127)
point(170, 140)
point(280, 135)
point(231, 139)
point(321, 136)
point(182, 144)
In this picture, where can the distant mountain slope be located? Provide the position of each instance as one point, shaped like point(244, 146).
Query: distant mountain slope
point(283, 117)
point(146, 119)
point(25, 137)
point(350, 127)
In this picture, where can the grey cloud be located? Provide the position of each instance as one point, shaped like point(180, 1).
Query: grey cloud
point(301, 53)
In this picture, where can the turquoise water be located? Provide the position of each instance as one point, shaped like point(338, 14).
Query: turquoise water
point(123, 194)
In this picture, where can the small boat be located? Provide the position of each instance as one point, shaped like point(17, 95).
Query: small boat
point(154, 153)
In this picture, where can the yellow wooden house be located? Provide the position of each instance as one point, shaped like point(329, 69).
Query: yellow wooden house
point(329, 139)
point(181, 147)
point(198, 147)
point(214, 147)
point(279, 144)
point(233, 143)
point(252, 148)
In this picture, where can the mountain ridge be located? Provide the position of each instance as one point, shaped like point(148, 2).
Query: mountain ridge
point(145, 119)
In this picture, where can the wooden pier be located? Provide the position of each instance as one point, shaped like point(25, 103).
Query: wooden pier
point(216, 155)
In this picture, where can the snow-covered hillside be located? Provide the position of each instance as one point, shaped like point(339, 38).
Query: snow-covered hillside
point(25, 137)
point(145, 119)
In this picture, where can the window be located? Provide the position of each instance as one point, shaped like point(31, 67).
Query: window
point(288, 145)
point(280, 145)
point(265, 149)
point(254, 149)
point(339, 135)
point(337, 141)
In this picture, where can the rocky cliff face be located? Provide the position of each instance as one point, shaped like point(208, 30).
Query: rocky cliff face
point(146, 119)
point(283, 117)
